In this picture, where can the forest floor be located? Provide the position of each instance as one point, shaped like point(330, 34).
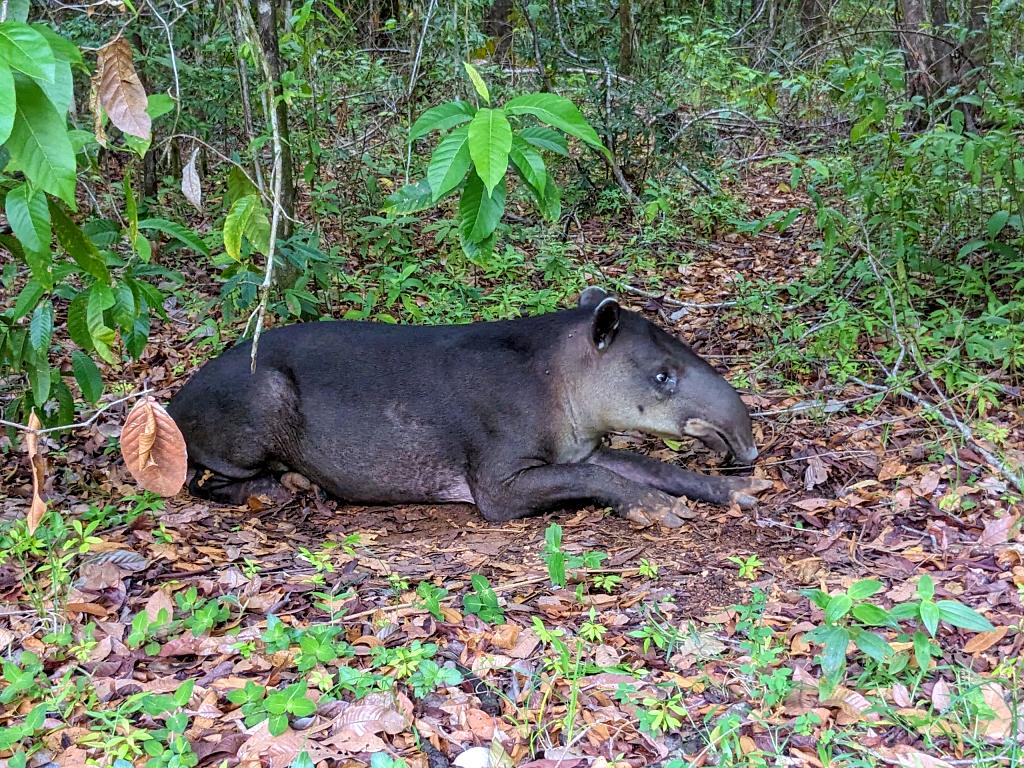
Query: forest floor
point(683, 647)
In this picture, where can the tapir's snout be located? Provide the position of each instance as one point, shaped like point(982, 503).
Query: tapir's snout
point(723, 421)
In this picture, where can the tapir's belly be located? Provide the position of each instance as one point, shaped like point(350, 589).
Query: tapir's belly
point(385, 455)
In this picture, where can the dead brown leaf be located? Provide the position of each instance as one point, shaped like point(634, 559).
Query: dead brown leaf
point(37, 509)
point(120, 91)
point(153, 448)
point(985, 640)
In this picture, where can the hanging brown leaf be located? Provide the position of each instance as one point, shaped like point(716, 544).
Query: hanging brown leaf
point(120, 91)
point(190, 186)
point(153, 448)
point(38, 507)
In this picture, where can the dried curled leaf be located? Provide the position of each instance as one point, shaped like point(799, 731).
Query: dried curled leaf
point(38, 507)
point(153, 448)
point(120, 91)
point(190, 186)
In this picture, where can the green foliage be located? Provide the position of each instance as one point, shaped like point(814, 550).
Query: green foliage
point(850, 616)
point(482, 601)
point(102, 275)
point(475, 158)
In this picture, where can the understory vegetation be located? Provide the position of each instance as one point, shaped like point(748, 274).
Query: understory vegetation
point(824, 197)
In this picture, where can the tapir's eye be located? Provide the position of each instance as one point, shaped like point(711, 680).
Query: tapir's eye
point(665, 378)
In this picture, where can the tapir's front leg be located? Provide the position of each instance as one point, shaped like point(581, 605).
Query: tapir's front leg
point(531, 490)
point(681, 482)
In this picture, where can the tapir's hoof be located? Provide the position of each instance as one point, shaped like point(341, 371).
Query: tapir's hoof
point(745, 490)
point(658, 507)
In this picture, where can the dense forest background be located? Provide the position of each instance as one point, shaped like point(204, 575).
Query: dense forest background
point(824, 196)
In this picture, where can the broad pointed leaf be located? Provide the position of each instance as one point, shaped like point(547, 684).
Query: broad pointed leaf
point(247, 218)
point(29, 217)
point(479, 213)
point(39, 143)
point(558, 112)
point(24, 49)
point(78, 246)
point(530, 164)
point(441, 118)
point(101, 298)
point(409, 199)
point(6, 102)
point(490, 140)
point(545, 138)
point(449, 163)
point(478, 82)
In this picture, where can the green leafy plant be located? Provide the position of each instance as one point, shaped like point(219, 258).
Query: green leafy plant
point(432, 597)
point(482, 601)
point(851, 616)
point(474, 155)
point(748, 566)
point(277, 707)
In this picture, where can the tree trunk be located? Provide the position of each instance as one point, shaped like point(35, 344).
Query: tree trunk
point(266, 16)
point(498, 27)
point(929, 60)
point(626, 32)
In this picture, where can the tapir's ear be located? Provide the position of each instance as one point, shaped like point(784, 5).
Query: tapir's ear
point(605, 323)
point(592, 296)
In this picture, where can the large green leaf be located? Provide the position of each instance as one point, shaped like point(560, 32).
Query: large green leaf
point(40, 329)
point(247, 218)
point(177, 231)
point(17, 10)
point(101, 298)
point(478, 82)
point(62, 90)
point(449, 163)
point(551, 203)
point(78, 246)
point(24, 49)
point(29, 217)
point(410, 198)
point(479, 213)
point(78, 328)
point(959, 615)
point(6, 102)
point(530, 164)
point(490, 140)
point(441, 118)
point(558, 112)
point(544, 138)
point(87, 375)
point(39, 143)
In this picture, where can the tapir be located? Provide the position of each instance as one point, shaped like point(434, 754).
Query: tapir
point(510, 416)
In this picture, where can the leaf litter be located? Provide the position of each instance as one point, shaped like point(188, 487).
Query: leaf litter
point(238, 599)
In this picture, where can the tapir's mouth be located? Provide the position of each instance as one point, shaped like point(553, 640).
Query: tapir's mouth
point(720, 440)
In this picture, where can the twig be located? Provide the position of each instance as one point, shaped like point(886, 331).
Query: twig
point(271, 113)
point(78, 425)
point(414, 73)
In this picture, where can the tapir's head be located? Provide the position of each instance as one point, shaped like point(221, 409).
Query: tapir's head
point(640, 378)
